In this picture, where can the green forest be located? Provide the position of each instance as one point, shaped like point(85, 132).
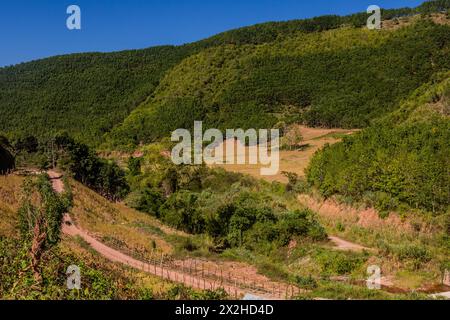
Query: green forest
point(90, 94)
point(401, 162)
point(104, 119)
point(341, 78)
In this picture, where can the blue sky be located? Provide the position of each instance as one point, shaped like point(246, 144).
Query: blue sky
point(31, 29)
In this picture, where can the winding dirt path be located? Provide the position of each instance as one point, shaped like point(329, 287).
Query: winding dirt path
point(114, 255)
point(181, 276)
point(344, 245)
point(56, 179)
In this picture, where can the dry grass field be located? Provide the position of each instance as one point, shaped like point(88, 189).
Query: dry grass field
point(119, 226)
point(9, 203)
point(291, 161)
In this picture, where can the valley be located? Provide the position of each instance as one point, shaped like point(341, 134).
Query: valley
point(363, 181)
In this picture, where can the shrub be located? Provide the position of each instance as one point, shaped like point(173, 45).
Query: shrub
point(340, 263)
point(307, 283)
point(149, 201)
point(181, 211)
point(134, 166)
point(7, 161)
point(414, 253)
point(105, 177)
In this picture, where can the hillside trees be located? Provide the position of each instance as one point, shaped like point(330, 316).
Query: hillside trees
point(91, 93)
point(84, 94)
point(340, 78)
point(406, 165)
point(103, 176)
point(400, 162)
point(76, 158)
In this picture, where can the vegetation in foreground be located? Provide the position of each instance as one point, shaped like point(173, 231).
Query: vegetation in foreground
point(34, 259)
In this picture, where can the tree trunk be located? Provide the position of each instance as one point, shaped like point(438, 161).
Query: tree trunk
point(37, 248)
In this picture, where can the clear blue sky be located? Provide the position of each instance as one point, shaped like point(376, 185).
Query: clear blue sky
point(31, 29)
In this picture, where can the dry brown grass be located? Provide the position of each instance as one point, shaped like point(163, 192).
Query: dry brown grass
point(394, 24)
point(117, 225)
point(10, 194)
point(333, 213)
point(292, 161)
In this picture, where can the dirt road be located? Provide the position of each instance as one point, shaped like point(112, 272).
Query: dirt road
point(113, 255)
point(344, 245)
point(56, 179)
point(232, 287)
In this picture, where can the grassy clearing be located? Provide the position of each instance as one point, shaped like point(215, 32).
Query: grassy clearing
point(9, 203)
point(294, 161)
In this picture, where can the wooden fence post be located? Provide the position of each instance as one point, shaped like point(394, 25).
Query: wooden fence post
point(161, 266)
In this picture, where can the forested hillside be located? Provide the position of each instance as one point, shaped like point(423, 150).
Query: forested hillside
point(401, 162)
point(103, 121)
point(85, 94)
point(340, 78)
point(88, 94)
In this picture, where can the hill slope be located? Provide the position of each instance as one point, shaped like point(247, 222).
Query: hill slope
point(85, 94)
point(339, 78)
point(400, 162)
point(88, 94)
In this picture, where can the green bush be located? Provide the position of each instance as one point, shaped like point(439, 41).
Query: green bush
point(105, 177)
point(7, 161)
point(181, 211)
point(307, 283)
point(339, 263)
point(414, 254)
point(149, 201)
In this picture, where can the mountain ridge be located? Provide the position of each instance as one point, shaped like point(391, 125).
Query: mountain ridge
point(89, 94)
point(338, 78)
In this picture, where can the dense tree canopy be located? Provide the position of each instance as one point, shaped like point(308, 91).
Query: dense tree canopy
point(400, 162)
point(103, 176)
point(340, 78)
point(89, 94)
